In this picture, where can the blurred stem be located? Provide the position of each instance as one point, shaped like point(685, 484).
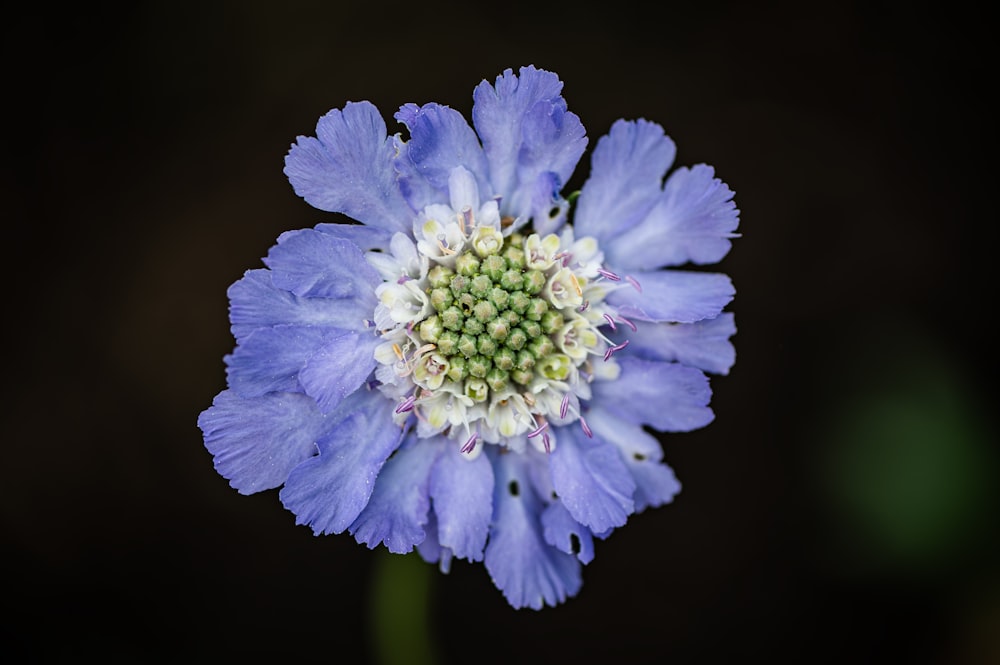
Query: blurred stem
point(399, 623)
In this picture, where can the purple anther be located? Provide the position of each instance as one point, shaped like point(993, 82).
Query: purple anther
point(467, 217)
point(610, 275)
point(634, 282)
point(541, 428)
point(470, 444)
point(583, 308)
point(403, 279)
point(611, 322)
point(627, 322)
point(406, 404)
point(586, 428)
point(564, 407)
point(546, 442)
point(611, 350)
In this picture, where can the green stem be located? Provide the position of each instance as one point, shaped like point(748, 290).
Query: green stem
point(399, 629)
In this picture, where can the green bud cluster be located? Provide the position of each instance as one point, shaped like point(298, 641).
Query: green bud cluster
point(490, 321)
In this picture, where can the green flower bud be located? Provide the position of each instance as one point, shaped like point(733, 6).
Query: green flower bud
point(440, 276)
point(486, 345)
point(467, 264)
point(431, 329)
point(499, 297)
point(467, 345)
point(441, 298)
point(521, 376)
point(480, 286)
point(516, 339)
point(496, 379)
point(504, 359)
point(493, 266)
point(457, 368)
point(447, 342)
point(478, 366)
point(552, 321)
point(498, 328)
point(536, 309)
point(484, 310)
point(476, 390)
point(534, 282)
point(452, 318)
point(473, 326)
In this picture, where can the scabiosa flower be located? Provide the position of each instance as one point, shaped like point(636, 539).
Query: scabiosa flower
point(473, 369)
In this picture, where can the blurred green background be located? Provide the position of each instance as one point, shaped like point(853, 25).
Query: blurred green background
point(843, 505)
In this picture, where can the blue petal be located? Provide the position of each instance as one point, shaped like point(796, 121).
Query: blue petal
point(625, 181)
point(565, 533)
point(327, 492)
point(462, 491)
point(693, 221)
point(703, 344)
point(528, 571)
point(270, 359)
point(591, 480)
point(339, 368)
point(440, 141)
point(525, 131)
point(674, 295)
point(348, 169)
point(367, 238)
point(667, 396)
point(316, 264)
point(397, 511)
point(256, 442)
point(254, 302)
point(655, 482)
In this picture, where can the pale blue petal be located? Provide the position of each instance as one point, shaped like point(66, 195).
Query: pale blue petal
point(565, 533)
point(327, 492)
point(667, 396)
point(675, 296)
point(625, 181)
point(338, 368)
point(367, 238)
point(256, 442)
point(254, 302)
point(528, 571)
point(462, 492)
point(499, 113)
point(347, 168)
point(270, 359)
point(430, 549)
point(704, 344)
point(693, 221)
point(397, 511)
point(591, 480)
point(440, 141)
point(655, 482)
point(316, 264)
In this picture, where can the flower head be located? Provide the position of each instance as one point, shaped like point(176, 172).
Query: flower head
point(472, 370)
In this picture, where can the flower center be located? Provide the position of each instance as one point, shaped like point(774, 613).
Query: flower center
point(491, 338)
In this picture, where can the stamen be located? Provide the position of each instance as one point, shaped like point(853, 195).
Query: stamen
point(467, 218)
point(610, 275)
point(576, 284)
point(546, 442)
point(470, 443)
point(442, 243)
point(611, 350)
point(406, 404)
point(398, 351)
point(634, 282)
point(541, 428)
point(611, 322)
point(403, 279)
point(583, 308)
point(586, 427)
point(627, 322)
point(564, 407)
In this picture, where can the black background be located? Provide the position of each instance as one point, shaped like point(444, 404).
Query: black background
point(142, 175)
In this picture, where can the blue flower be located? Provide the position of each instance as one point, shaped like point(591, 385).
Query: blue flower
point(474, 368)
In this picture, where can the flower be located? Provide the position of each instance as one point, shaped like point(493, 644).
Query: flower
point(473, 368)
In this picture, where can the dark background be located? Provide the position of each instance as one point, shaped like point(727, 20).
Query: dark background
point(840, 507)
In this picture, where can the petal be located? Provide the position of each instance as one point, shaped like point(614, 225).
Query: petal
point(338, 368)
point(254, 302)
point(462, 491)
point(348, 169)
point(316, 264)
point(270, 359)
point(327, 492)
point(591, 480)
point(655, 482)
point(667, 396)
point(256, 442)
point(525, 116)
point(528, 571)
point(625, 181)
point(693, 221)
point(367, 238)
point(397, 511)
point(674, 295)
point(703, 344)
point(565, 533)
point(440, 141)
